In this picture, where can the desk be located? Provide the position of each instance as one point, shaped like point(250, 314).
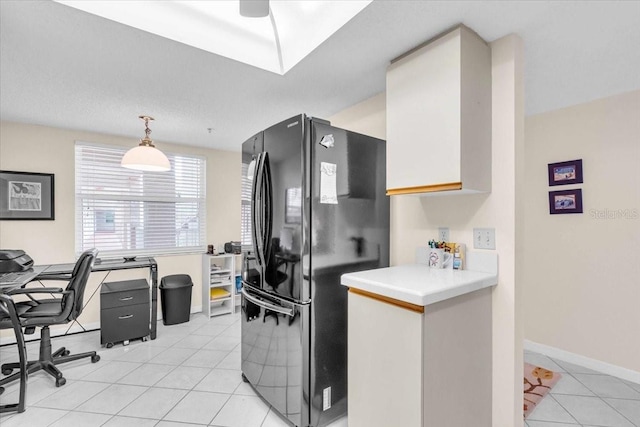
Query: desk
point(109, 265)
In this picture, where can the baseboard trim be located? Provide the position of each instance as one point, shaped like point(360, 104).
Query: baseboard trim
point(75, 329)
point(587, 362)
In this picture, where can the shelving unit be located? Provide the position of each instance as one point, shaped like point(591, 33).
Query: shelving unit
point(238, 275)
point(218, 284)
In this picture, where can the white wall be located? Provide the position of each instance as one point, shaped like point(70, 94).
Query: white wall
point(582, 288)
point(33, 148)
point(414, 220)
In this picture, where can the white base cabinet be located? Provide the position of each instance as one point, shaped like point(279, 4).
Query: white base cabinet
point(412, 369)
point(218, 284)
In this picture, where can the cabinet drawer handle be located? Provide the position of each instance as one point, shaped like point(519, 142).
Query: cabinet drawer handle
point(126, 299)
point(128, 316)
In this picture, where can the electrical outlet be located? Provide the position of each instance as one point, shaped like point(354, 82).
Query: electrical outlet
point(443, 234)
point(484, 238)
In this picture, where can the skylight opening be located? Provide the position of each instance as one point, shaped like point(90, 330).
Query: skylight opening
point(218, 27)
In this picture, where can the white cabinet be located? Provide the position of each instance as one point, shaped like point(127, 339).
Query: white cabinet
point(439, 116)
point(419, 369)
point(384, 356)
point(218, 284)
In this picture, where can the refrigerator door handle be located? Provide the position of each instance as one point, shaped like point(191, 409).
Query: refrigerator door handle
point(267, 305)
point(257, 208)
point(267, 219)
point(254, 205)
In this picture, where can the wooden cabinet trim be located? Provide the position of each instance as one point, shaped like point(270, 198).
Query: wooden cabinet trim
point(402, 304)
point(450, 186)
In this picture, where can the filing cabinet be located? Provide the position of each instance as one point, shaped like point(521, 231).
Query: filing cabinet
point(124, 311)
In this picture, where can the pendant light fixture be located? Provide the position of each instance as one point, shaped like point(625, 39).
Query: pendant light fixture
point(146, 157)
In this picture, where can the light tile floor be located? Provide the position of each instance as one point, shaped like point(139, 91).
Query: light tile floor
point(584, 397)
point(190, 376)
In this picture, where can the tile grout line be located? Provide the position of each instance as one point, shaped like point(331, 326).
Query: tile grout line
point(615, 409)
point(192, 389)
point(565, 409)
point(601, 398)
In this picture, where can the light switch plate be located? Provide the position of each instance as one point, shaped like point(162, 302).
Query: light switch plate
point(484, 238)
point(443, 234)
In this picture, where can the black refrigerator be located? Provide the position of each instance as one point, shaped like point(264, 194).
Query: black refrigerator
point(314, 208)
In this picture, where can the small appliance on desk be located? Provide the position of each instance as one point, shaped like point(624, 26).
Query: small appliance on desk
point(13, 260)
point(232, 248)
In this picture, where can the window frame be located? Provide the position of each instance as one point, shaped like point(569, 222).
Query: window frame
point(92, 195)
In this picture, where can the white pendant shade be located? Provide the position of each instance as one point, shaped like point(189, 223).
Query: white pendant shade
point(145, 158)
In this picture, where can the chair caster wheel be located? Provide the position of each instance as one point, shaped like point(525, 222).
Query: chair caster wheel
point(7, 371)
point(1, 390)
point(60, 382)
point(109, 344)
point(66, 353)
point(95, 358)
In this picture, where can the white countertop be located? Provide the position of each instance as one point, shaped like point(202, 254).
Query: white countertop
point(418, 283)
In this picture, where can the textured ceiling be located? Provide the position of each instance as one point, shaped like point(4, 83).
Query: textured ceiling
point(65, 68)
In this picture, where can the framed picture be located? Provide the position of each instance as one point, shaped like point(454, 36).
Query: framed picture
point(565, 202)
point(26, 196)
point(564, 173)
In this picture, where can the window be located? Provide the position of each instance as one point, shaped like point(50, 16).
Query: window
point(245, 235)
point(125, 212)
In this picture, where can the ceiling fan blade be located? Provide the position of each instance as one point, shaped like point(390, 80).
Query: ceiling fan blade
point(254, 8)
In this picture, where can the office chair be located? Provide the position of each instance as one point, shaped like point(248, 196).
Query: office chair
point(46, 312)
point(9, 320)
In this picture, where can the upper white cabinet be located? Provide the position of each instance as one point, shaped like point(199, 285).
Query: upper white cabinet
point(439, 116)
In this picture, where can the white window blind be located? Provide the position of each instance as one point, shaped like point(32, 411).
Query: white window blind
point(245, 237)
point(123, 212)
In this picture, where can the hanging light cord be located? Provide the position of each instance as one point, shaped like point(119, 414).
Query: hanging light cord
point(146, 141)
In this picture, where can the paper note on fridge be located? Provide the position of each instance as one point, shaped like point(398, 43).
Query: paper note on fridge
point(328, 191)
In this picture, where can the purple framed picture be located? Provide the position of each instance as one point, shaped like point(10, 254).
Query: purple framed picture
point(565, 202)
point(564, 173)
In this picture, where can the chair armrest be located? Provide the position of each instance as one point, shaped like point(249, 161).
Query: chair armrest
point(65, 277)
point(23, 291)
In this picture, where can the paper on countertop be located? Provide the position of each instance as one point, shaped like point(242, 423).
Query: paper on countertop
point(328, 183)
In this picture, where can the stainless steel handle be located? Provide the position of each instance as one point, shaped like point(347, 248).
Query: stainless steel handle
point(260, 206)
point(268, 306)
point(268, 211)
point(126, 299)
point(254, 205)
point(128, 316)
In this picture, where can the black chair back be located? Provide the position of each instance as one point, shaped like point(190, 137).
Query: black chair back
point(78, 283)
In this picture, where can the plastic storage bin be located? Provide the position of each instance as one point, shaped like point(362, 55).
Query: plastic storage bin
point(175, 292)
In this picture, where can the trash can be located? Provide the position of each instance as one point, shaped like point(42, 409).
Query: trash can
point(175, 293)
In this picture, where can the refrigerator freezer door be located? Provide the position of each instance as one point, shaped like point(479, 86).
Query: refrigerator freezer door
point(349, 232)
point(275, 359)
